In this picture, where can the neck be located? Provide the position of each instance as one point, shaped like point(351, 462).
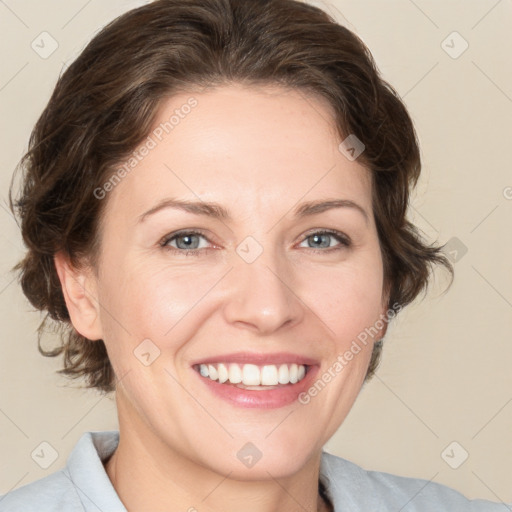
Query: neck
point(148, 474)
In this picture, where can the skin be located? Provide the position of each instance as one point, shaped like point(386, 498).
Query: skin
point(259, 152)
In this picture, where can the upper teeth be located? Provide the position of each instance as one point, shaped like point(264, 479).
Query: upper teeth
point(253, 375)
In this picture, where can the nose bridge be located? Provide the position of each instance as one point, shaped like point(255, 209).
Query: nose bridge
point(261, 289)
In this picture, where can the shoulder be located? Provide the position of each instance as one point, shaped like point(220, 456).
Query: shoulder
point(82, 484)
point(363, 489)
point(52, 493)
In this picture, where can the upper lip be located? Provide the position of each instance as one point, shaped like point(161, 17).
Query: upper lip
point(257, 358)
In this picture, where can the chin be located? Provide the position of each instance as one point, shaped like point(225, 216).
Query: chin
point(260, 460)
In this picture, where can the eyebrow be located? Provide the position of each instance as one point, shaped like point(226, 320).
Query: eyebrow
point(216, 211)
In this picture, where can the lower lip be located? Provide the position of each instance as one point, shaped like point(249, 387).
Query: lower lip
point(265, 399)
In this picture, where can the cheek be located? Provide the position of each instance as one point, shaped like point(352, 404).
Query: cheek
point(348, 299)
point(157, 302)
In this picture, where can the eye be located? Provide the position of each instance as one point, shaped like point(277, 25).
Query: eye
point(187, 242)
point(321, 240)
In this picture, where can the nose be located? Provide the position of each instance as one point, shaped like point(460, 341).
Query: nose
point(262, 296)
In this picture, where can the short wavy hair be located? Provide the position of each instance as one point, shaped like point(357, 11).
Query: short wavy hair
point(103, 106)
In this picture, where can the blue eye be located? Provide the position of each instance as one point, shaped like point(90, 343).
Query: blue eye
point(322, 239)
point(188, 243)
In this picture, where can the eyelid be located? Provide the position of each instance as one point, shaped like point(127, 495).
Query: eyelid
point(181, 232)
point(327, 231)
point(344, 240)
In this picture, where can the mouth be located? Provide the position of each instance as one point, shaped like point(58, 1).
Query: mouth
point(256, 380)
point(253, 377)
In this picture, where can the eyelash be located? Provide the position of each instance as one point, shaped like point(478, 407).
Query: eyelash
point(344, 240)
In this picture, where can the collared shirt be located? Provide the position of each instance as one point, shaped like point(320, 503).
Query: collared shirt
point(84, 486)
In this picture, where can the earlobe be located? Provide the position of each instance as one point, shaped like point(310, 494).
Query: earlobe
point(385, 327)
point(80, 293)
point(385, 315)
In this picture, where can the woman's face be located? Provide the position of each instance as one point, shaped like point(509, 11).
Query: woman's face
point(243, 275)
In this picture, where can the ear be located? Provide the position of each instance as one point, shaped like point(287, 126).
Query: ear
point(79, 287)
point(384, 330)
point(384, 313)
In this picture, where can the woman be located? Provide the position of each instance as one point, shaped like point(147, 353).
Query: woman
point(214, 209)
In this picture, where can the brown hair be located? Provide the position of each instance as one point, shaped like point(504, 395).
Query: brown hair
point(105, 103)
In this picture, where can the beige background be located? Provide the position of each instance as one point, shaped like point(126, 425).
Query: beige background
point(446, 371)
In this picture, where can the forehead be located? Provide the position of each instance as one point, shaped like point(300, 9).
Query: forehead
point(255, 146)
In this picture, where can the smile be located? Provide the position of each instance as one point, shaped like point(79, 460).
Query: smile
point(252, 376)
point(256, 380)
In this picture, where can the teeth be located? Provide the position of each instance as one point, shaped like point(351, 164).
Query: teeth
point(235, 374)
point(269, 375)
point(284, 374)
point(212, 372)
point(223, 373)
point(294, 372)
point(253, 375)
